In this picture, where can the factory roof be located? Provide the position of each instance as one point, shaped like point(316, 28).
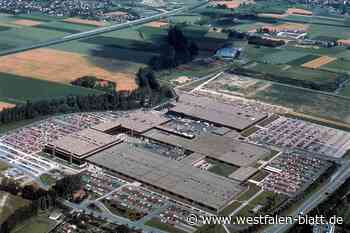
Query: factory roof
point(243, 173)
point(84, 143)
point(232, 116)
point(173, 176)
point(218, 147)
point(139, 121)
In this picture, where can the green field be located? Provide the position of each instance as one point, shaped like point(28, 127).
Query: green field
point(220, 168)
point(39, 224)
point(12, 203)
point(339, 65)
point(296, 73)
point(308, 102)
point(282, 57)
point(17, 89)
point(162, 226)
point(345, 91)
point(302, 60)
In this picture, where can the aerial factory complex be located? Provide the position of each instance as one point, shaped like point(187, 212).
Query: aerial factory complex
point(174, 116)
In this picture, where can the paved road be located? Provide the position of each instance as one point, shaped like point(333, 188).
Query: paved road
point(102, 30)
point(313, 201)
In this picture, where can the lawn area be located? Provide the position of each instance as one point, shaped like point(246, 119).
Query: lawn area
point(220, 168)
point(47, 179)
point(251, 190)
point(165, 227)
point(3, 166)
point(262, 199)
point(39, 224)
point(17, 89)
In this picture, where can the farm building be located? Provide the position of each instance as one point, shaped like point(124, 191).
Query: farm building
point(227, 53)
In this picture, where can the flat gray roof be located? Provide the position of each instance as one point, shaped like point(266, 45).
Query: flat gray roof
point(139, 121)
point(243, 173)
point(218, 147)
point(84, 142)
point(232, 116)
point(173, 176)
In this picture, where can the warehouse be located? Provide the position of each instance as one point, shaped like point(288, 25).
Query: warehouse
point(203, 108)
point(135, 122)
point(80, 145)
point(221, 148)
point(182, 181)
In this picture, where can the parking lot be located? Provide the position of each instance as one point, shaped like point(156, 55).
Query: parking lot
point(293, 172)
point(293, 133)
point(98, 183)
point(20, 147)
point(32, 165)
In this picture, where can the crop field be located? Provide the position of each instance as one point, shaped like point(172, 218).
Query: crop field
point(288, 26)
point(85, 22)
point(309, 102)
point(297, 73)
point(282, 57)
point(4, 105)
point(339, 65)
point(302, 60)
point(64, 67)
point(318, 62)
point(61, 26)
point(27, 22)
point(334, 32)
point(158, 24)
point(123, 43)
point(17, 90)
point(299, 99)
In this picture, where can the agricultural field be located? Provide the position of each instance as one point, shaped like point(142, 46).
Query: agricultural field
point(319, 62)
point(339, 65)
point(17, 89)
point(282, 57)
point(296, 73)
point(64, 67)
point(327, 106)
point(115, 56)
point(4, 105)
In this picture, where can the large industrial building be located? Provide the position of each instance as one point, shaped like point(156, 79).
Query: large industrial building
point(77, 146)
point(204, 108)
point(174, 178)
point(194, 129)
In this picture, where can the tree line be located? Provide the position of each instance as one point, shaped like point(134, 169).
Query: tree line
point(150, 93)
point(39, 199)
point(95, 83)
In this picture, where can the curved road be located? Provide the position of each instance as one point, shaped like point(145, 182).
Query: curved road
point(102, 30)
